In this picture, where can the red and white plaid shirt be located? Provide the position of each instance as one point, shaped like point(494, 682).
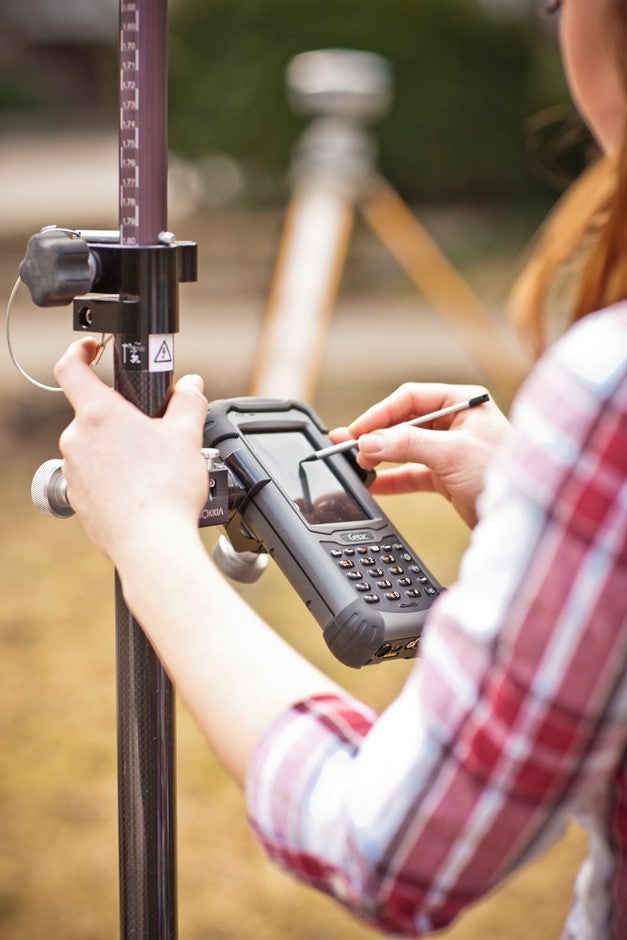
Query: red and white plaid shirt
point(516, 717)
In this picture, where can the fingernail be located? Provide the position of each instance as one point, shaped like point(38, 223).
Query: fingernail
point(191, 381)
point(372, 443)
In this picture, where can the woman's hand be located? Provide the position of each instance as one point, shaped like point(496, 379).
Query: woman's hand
point(449, 456)
point(139, 484)
point(130, 477)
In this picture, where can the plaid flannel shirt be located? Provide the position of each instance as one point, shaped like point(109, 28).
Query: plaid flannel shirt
point(516, 717)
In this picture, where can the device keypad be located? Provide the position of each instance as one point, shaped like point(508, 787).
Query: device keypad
point(383, 572)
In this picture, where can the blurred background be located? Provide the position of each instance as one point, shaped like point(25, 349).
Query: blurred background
point(479, 141)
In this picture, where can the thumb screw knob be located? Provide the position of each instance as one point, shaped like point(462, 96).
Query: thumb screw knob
point(49, 490)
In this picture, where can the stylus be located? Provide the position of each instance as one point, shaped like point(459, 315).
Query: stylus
point(415, 422)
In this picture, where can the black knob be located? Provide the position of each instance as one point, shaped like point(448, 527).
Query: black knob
point(57, 266)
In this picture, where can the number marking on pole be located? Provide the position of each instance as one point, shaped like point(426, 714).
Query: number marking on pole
point(129, 124)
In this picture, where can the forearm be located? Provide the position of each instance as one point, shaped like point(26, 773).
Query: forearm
point(235, 674)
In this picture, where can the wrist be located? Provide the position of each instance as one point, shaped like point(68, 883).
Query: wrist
point(158, 546)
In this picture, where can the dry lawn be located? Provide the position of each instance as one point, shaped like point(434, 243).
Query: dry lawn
point(58, 823)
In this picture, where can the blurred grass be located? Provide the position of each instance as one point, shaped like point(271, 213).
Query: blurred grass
point(58, 775)
point(58, 822)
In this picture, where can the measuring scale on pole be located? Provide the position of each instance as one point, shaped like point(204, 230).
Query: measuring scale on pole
point(144, 360)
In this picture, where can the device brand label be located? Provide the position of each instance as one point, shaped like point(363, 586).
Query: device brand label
point(357, 537)
point(212, 513)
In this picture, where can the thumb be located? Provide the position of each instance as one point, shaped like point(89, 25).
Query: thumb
point(405, 444)
point(188, 405)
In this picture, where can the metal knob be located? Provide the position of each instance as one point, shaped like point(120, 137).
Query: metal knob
point(245, 567)
point(49, 490)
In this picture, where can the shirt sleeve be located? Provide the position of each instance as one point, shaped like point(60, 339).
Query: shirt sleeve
point(516, 712)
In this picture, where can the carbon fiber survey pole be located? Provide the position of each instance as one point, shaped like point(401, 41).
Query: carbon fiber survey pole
point(143, 370)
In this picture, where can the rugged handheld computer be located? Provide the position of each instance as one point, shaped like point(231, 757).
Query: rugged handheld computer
point(363, 583)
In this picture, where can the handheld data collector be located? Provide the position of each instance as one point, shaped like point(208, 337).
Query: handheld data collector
point(358, 576)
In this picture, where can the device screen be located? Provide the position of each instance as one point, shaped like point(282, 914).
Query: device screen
point(312, 486)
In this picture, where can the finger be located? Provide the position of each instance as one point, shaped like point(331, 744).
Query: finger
point(410, 401)
point(337, 435)
point(405, 444)
point(74, 374)
point(187, 407)
point(410, 478)
point(407, 402)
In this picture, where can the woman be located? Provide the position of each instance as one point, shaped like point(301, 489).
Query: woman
point(516, 717)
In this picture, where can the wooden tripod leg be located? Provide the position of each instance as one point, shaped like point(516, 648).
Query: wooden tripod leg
point(310, 262)
point(443, 287)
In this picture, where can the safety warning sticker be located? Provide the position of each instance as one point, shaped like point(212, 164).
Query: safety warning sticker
point(161, 352)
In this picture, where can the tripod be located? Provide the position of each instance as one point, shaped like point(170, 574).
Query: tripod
point(334, 174)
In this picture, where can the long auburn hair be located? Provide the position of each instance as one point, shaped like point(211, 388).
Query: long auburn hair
point(593, 212)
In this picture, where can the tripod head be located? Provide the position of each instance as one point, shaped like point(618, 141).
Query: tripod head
point(342, 90)
point(347, 84)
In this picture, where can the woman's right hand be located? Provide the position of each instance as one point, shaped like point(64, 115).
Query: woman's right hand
point(447, 456)
point(129, 475)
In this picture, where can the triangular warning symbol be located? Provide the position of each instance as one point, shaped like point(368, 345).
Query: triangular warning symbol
point(164, 354)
